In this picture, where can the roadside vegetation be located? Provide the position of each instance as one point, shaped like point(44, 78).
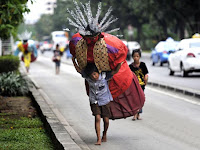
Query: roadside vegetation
point(23, 133)
point(20, 125)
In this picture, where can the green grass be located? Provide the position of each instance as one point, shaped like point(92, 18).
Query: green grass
point(23, 134)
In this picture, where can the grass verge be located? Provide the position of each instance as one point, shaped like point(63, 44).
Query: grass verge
point(23, 133)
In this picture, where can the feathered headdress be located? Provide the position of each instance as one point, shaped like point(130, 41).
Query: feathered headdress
point(25, 35)
point(86, 24)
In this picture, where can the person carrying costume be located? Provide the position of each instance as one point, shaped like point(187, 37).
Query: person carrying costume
point(93, 45)
point(28, 49)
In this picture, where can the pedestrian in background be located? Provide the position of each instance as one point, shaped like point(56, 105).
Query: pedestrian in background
point(28, 49)
point(141, 71)
point(99, 95)
point(57, 58)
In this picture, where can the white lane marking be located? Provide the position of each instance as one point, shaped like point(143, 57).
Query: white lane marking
point(175, 96)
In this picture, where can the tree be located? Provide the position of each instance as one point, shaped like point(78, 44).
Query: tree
point(11, 15)
point(44, 26)
point(176, 16)
point(153, 20)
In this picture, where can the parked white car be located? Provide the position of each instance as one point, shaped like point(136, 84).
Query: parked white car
point(186, 57)
point(131, 45)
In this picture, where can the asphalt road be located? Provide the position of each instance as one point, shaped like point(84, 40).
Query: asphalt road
point(159, 74)
point(170, 121)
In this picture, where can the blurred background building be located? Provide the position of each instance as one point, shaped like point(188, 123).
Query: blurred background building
point(39, 8)
point(49, 6)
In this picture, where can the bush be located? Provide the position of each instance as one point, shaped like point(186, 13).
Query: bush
point(9, 63)
point(12, 84)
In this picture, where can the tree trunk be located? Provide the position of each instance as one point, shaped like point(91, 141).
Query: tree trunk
point(139, 32)
point(197, 23)
point(182, 30)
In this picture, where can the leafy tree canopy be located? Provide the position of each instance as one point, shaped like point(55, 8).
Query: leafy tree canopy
point(152, 20)
point(11, 15)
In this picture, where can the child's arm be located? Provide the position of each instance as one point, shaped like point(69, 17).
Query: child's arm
point(76, 65)
point(146, 79)
point(117, 68)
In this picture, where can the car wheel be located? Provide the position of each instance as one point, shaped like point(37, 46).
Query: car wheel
point(159, 61)
point(153, 63)
point(183, 72)
point(171, 73)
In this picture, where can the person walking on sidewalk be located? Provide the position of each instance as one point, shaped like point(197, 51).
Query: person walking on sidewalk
point(141, 71)
point(99, 95)
point(57, 58)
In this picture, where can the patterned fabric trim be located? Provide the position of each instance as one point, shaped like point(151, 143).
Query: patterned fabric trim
point(81, 53)
point(100, 53)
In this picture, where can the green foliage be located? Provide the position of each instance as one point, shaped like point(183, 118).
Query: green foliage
point(44, 26)
point(11, 15)
point(23, 122)
point(160, 19)
point(23, 134)
point(9, 63)
point(12, 84)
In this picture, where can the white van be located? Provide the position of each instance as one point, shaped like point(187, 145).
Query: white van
point(59, 37)
point(131, 45)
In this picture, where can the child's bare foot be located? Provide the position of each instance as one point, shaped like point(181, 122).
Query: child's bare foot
point(138, 117)
point(98, 142)
point(104, 138)
point(135, 117)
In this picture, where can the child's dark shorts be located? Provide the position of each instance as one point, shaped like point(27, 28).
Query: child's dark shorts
point(104, 110)
point(57, 63)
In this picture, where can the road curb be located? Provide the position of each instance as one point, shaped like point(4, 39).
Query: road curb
point(61, 138)
point(188, 92)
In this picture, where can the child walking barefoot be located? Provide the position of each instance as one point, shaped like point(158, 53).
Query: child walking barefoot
point(99, 95)
point(141, 71)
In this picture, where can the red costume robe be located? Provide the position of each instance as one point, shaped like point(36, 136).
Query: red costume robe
point(128, 96)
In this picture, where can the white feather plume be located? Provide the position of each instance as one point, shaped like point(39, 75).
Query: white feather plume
point(81, 23)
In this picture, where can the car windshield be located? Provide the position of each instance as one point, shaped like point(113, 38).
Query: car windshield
point(166, 46)
point(195, 44)
point(60, 35)
point(170, 45)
